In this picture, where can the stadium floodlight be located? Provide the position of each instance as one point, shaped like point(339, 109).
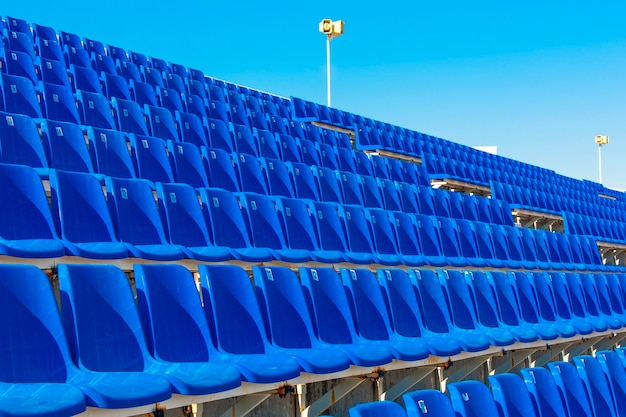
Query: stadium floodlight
point(601, 140)
point(331, 30)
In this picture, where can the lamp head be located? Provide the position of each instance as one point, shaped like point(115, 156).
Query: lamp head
point(602, 140)
point(330, 28)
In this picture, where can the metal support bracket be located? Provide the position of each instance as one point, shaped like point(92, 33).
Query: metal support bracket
point(407, 383)
point(245, 406)
point(343, 388)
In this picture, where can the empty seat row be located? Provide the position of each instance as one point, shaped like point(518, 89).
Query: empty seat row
point(171, 342)
point(590, 386)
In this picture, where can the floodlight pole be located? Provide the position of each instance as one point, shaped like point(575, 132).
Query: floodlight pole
point(600, 162)
point(328, 68)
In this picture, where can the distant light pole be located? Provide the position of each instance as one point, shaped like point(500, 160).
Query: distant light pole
point(331, 30)
point(601, 140)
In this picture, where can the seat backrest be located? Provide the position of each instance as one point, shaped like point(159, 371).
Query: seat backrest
point(547, 400)
point(571, 388)
point(263, 223)
point(34, 347)
point(20, 142)
point(231, 309)
point(405, 312)
point(225, 218)
point(329, 227)
point(435, 305)
point(183, 219)
point(171, 314)
point(297, 219)
point(507, 297)
point(462, 304)
point(282, 303)
point(428, 402)
point(187, 164)
point(472, 399)
point(111, 153)
point(511, 396)
point(378, 408)
point(95, 110)
point(150, 157)
point(329, 305)
point(221, 169)
point(596, 385)
point(101, 319)
point(67, 147)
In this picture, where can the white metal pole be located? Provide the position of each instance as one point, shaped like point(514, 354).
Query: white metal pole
point(600, 162)
point(328, 69)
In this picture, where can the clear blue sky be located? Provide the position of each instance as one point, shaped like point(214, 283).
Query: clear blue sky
point(538, 79)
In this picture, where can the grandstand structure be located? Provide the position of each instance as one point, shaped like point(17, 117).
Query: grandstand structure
point(176, 244)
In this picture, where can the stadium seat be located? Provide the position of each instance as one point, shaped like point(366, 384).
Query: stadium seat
point(596, 385)
point(185, 225)
point(433, 300)
point(175, 325)
point(111, 156)
point(328, 184)
point(86, 79)
point(571, 389)
point(46, 381)
point(19, 41)
point(115, 86)
point(333, 320)
point(542, 388)
point(289, 149)
point(137, 220)
point(251, 178)
point(128, 70)
point(142, 93)
point(149, 155)
point(20, 142)
point(472, 399)
point(152, 76)
point(95, 110)
point(427, 402)
point(129, 117)
point(233, 314)
point(191, 129)
point(71, 39)
point(219, 135)
point(97, 294)
point(268, 144)
point(26, 229)
point(18, 25)
point(511, 396)
point(77, 56)
point(66, 147)
point(19, 64)
point(227, 222)
point(615, 373)
point(59, 103)
point(161, 123)
point(19, 96)
point(221, 169)
point(278, 179)
point(303, 181)
point(377, 408)
point(49, 50)
point(83, 219)
point(187, 164)
point(170, 99)
point(427, 228)
point(372, 319)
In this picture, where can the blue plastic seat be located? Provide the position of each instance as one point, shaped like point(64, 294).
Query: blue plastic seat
point(425, 200)
point(26, 227)
point(595, 306)
point(77, 56)
point(95, 294)
point(512, 396)
point(609, 304)
point(67, 149)
point(219, 135)
point(185, 223)
point(359, 238)
point(234, 317)
point(20, 142)
point(430, 241)
point(596, 385)
point(18, 25)
point(298, 222)
point(472, 399)
point(111, 155)
point(542, 388)
point(149, 155)
point(187, 164)
point(129, 117)
point(137, 221)
point(46, 379)
point(170, 99)
point(151, 76)
point(19, 41)
point(265, 229)
point(408, 197)
point(142, 93)
point(328, 184)
point(372, 319)
point(115, 86)
point(615, 373)
point(218, 110)
point(378, 408)
point(251, 178)
point(277, 175)
point(289, 148)
point(19, 96)
point(352, 192)
point(221, 169)
point(94, 46)
point(346, 159)
point(85, 78)
point(225, 217)
point(463, 309)
point(20, 64)
point(437, 317)
point(280, 296)
point(161, 123)
point(427, 402)
point(531, 311)
point(268, 144)
point(59, 103)
point(580, 306)
point(571, 389)
point(488, 309)
point(54, 72)
point(564, 303)
point(371, 192)
point(128, 70)
point(407, 239)
point(191, 129)
point(83, 219)
point(95, 110)
point(333, 320)
point(49, 49)
point(175, 325)
point(71, 39)
point(303, 181)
